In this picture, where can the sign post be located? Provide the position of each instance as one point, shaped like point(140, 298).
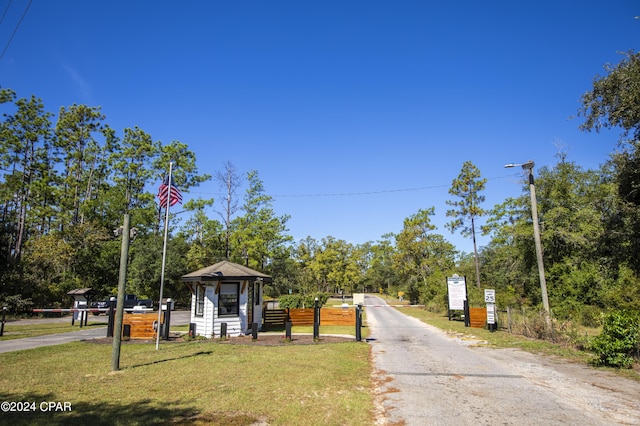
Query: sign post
point(490, 300)
point(457, 293)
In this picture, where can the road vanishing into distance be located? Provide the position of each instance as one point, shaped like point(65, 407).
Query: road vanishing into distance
point(425, 376)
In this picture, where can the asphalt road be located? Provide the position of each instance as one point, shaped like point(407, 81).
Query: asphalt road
point(89, 332)
point(86, 333)
point(426, 377)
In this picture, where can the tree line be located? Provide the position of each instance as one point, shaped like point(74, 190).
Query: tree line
point(66, 184)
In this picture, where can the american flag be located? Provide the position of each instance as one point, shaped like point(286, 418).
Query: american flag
point(163, 193)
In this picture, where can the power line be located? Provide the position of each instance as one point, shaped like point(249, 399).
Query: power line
point(6, 9)
point(16, 28)
point(349, 194)
point(384, 191)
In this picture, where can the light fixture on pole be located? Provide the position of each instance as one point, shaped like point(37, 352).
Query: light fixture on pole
point(536, 233)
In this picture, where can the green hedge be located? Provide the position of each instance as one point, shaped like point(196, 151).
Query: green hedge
point(302, 300)
point(618, 341)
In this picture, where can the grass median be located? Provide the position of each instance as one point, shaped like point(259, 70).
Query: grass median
point(41, 329)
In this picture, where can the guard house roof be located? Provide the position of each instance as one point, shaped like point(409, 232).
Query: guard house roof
point(227, 271)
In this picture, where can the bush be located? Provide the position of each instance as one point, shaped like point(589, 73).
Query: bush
point(618, 341)
point(289, 301)
point(574, 311)
point(16, 303)
point(590, 316)
point(302, 300)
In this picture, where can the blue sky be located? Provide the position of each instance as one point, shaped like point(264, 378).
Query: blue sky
point(356, 114)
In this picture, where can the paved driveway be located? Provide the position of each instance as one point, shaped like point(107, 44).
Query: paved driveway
point(90, 332)
point(427, 377)
point(85, 333)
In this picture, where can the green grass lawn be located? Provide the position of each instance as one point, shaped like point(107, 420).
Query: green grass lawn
point(198, 382)
point(500, 339)
point(329, 329)
point(41, 329)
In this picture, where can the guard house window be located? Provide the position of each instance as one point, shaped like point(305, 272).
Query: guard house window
point(199, 300)
point(229, 299)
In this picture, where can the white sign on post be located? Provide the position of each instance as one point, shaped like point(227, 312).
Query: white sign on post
point(490, 300)
point(489, 296)
point(491, 313)
point(457, 289)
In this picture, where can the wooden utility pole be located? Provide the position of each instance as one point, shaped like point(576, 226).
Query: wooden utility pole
point(122, 279)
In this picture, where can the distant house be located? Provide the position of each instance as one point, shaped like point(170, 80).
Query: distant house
point(225, 293)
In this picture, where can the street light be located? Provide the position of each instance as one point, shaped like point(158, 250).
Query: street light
point(536, 233)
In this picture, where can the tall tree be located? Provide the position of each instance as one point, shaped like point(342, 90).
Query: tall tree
point(185, 170)
point(422, 257)
point(571, 214)
point(259, 232)
point(336, 266)
point(305, 254)
point(204, 235)
point(26, 150)
point(229, 180)
point(77, 132)
point(285, 271)
point(185, 173)
point(146, 266)
point(380, 273)
point(614, 102)
point(467, 187)
point(510, 255)
point(132, 165)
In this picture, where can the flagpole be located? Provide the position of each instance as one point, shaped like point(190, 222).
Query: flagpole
point(164, 255)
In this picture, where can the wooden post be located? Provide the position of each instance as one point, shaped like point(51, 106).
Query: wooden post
point(287, 330)
point(254, 331)
point(122, 279)
point(316, 320)
point(467, 320)
point(358, 323)
point(111, 313)
point(4, 313)
point(223, 330)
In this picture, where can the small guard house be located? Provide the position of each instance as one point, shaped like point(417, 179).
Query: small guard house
point(81, 298)
point(225, 292)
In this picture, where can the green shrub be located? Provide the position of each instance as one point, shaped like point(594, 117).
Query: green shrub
point(289, 301)
point(16, 303)
point(619, 339)
point(302, 300)
point(322, 299)
point(590, 316)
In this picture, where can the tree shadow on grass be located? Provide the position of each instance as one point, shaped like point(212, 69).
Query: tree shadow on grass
point(171, 359)
point(108, 413)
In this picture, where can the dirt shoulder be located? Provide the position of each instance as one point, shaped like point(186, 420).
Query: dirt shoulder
point(585, 387)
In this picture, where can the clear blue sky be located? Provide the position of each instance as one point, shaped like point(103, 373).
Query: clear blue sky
point(368, 99)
